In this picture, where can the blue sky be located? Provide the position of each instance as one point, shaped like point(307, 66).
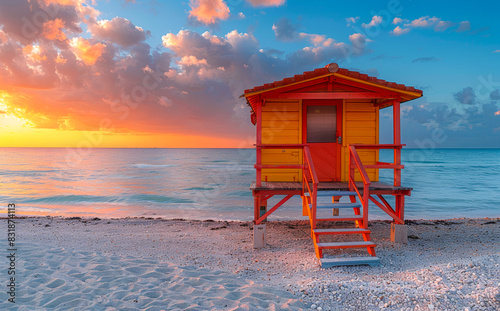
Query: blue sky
point(209, 51)
point(441, 61)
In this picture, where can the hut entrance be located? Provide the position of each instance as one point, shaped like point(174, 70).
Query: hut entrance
point(322, 131)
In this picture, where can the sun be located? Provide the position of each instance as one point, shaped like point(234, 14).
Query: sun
point(9, 116)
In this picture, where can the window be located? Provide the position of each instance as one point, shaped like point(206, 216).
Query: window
point(321, 124)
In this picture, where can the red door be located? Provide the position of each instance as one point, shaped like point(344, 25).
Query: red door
point(322, 129)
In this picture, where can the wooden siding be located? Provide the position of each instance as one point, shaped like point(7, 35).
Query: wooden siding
point(282, 124)
point(360, 127)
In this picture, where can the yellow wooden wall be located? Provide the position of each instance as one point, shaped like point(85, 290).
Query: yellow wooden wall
point(282, 124)
point(361, 126)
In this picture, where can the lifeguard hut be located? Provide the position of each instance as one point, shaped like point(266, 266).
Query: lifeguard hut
point(318, 138)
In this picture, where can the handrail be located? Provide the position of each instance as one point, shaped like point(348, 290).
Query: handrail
point(355, 163)
point(310, 163)
point(354, 157)
point(315, 181)
point(379, 146)
point(308, 167)
point(360, 166)
point(396, 166)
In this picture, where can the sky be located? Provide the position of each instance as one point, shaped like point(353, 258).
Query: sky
point(133, 73)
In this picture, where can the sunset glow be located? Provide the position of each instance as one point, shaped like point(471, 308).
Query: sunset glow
point(170, 73)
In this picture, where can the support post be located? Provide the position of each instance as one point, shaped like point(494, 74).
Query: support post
point(305, 205)
point(259, 236)
point(258, 114)
point(399, 233)
point(256, 205)
point(263, 209)
point(396, 115)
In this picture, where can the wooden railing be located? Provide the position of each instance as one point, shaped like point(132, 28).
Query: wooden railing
point(396, 166)
point(310, 179)
point(314, 180)
point(308, 172)
point(355, 163)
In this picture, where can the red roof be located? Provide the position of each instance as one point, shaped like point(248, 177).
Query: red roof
point(330, 69)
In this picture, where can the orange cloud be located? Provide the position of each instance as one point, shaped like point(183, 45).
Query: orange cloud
point(208, 11)
point(52, 30)
point(3, 37)
point(85, 51)
point(61, 60)
point(62, 2)
point(34, 53)
point(191, 61)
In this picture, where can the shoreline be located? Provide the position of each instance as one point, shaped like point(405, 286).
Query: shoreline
point(407, 221)
point(447, 264)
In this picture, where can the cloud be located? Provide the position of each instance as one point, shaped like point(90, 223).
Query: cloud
point(376, 20)
point(272, 52)
point(495, 95)
point(398, 20)
point(428, 22)
point(467, 96)
point(443, 25)
point(241, 15)
point(351, 20)
point(463, 26)
point(434, 22)
point(479, 30)
point(208, 11)
point(496, 51)
point(191, 61)
point(398, 31)
point(119, 30)
point(469, 126)
point(423, 22)
point(52, 30)
point(85, 51)
point(313, 38)
point(358, 41)
point(112, 73)
point(285, 30)
point(29, 21)
point(266, 2)
point(425, 59)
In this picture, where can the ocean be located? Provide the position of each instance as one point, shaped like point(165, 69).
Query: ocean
point(214, 183)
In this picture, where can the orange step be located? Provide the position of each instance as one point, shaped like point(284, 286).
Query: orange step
point(341, 231)
point(354, 244)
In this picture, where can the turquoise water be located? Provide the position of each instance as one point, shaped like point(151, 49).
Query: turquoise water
point(214, 183)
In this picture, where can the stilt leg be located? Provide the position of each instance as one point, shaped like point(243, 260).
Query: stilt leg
point(263, 209)
point(371, 251)
point(256, 205)
point(259, 236)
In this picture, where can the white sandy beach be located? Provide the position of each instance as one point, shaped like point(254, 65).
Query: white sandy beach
point(152, 264)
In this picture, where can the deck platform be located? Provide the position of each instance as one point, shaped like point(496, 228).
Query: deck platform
point(323, 186)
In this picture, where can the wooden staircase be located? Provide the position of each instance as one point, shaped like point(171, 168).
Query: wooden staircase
point(360, 228)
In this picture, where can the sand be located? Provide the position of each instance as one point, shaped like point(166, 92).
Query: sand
point(155, 264)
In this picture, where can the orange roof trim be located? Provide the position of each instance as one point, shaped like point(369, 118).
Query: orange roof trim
point(331, 69)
